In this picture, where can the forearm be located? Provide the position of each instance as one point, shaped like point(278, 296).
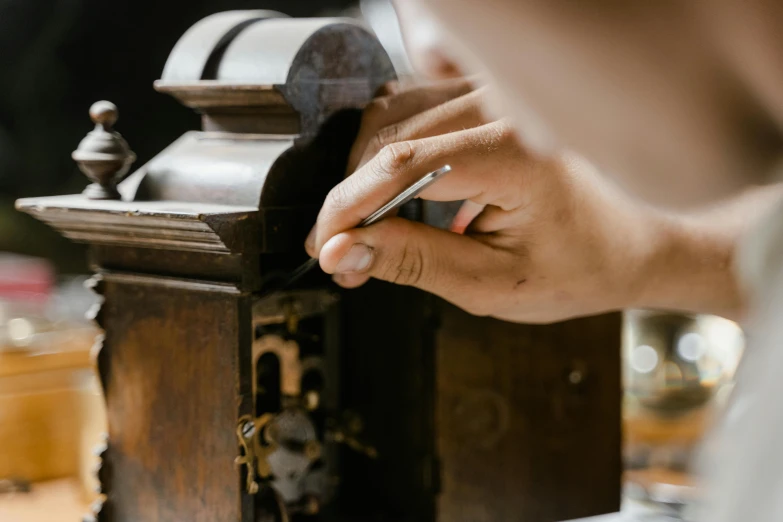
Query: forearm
point(691, 259)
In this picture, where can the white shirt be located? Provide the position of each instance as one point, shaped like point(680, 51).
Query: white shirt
point(744, 479)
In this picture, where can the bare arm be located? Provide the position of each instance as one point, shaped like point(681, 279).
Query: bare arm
point(692, 264)
point(555, 238)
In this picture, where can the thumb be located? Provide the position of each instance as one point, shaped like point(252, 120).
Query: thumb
point(460, 269)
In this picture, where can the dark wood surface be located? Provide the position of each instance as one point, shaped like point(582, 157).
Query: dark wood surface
point(520, 436)
point(175, 387)
point(388, 368)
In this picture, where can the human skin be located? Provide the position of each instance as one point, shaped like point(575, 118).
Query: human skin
point(678, 101)
point(555, 239)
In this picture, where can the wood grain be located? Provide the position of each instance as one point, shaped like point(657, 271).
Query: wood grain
point(517, 437)
point(175, 390)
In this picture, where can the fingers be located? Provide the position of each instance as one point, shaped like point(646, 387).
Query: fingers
point(391, 88)
point(460, 113)
point(466, 214)
point(437, 261)
point(353, 280)
point(485, 164)
point(399, 106)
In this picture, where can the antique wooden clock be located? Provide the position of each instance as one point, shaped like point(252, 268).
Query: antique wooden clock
point(227, 403)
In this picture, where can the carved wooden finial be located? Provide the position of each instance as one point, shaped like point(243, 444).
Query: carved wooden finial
point(103, 155)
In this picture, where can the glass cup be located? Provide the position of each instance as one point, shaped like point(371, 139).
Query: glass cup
point(677, 372)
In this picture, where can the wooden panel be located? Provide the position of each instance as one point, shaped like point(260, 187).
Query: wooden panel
point(388, 357)
point(175, 388)
point(528, 418)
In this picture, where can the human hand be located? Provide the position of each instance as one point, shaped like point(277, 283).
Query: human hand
point(414, 112)
point(554, 239)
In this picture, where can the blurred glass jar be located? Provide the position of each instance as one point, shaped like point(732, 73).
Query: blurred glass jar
point(677, 371)
point(674, 363)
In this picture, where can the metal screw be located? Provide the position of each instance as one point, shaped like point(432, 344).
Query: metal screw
point(248, 429)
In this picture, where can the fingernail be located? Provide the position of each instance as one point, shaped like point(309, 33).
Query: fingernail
point(310, 242)
point(357, 259)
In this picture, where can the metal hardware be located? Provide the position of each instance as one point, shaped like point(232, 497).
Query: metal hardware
point(287, 352)
point(306, 303)
point(347, 431)
point(311, 400)
point(255, 454)
point(245, 431)
point(291, 316)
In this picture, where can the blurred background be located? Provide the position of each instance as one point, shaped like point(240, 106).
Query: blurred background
point(59, 56)
point(678, 373)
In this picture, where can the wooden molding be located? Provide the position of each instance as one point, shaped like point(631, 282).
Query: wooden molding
point(194, 227)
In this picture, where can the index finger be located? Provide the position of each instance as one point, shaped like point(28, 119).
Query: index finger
point(482, 163)
point(399, 106)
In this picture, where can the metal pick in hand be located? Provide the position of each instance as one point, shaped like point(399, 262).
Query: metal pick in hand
point(403, 197)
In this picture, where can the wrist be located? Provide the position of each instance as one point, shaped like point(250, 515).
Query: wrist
point(687, 265)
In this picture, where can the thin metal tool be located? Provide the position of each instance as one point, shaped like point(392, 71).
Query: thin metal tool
point(403, 197)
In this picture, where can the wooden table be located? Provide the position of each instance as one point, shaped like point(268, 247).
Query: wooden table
point(53, 501)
